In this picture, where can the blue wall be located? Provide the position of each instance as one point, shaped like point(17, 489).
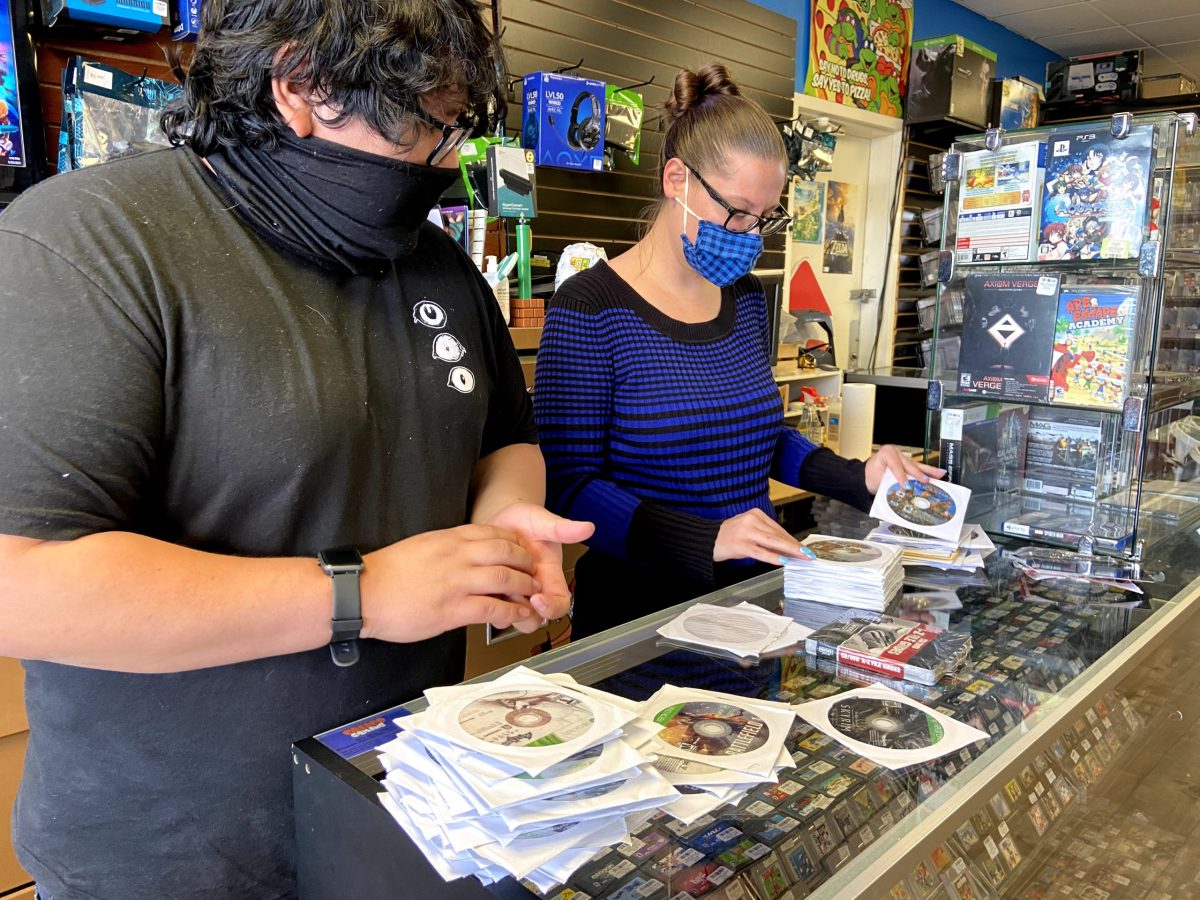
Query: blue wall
point(1015, 55)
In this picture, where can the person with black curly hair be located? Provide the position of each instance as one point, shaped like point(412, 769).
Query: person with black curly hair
point(221, 360)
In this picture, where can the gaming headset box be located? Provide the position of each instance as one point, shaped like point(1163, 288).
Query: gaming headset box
point(564, 121)
point(110, 20)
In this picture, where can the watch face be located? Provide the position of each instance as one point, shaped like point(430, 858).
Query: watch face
point(340, 558)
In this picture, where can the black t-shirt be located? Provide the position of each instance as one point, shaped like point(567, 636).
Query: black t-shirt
point(167, 372)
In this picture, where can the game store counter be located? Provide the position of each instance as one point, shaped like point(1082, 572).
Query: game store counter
point(1060, 684)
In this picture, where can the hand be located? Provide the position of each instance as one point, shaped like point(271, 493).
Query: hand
point(431, 583)
point(754, 535)
point(542, 534)
point(889, 458)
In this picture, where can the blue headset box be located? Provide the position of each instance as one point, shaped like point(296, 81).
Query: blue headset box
point(185, 20)
point(124, 16)
point(564, 121)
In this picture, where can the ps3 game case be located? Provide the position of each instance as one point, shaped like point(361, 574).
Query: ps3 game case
point(895, 647)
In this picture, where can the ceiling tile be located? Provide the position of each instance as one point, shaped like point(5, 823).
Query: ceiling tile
point(1102, 40)
point(994, 8)
point(1126, 13)
point(1163, 31)
point(1048, 22)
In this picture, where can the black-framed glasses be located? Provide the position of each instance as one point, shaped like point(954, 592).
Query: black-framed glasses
point(453, 135)
point(739, 221)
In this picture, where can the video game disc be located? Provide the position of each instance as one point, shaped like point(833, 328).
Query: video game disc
point(526, 718)
point(711, 729)
point(885, 723)
point(568, 766)
point(920, 503)
point(726, 626)
point(843, 551)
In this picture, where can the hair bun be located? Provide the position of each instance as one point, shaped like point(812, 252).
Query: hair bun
point(691, 88)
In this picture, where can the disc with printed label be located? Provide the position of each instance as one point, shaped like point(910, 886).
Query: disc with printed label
point(885, 723)
point(921, 504)
point(711, 729)
point(526, 718)
point(843, 551)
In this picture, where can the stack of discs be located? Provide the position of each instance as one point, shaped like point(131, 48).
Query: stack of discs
point(523, 776)
point(843, 578)
point(715, 748)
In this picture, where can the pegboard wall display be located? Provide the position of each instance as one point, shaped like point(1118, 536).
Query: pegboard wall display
point(617, 43)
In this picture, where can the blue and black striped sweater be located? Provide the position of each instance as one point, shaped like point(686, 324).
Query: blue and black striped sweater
point(658, 430)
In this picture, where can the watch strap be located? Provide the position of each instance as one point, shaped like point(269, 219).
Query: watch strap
point(346, 621)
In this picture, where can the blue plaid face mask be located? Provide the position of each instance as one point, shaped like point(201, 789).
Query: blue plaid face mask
point(718, 254)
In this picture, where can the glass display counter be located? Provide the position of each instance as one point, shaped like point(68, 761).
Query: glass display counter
point(1056, 678)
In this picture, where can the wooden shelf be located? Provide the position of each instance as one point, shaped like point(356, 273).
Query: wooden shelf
point(806, 375)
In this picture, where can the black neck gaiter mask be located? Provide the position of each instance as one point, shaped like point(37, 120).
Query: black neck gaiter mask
point(334, 205)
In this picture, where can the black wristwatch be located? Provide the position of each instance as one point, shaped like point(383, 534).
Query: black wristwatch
point(344, 565)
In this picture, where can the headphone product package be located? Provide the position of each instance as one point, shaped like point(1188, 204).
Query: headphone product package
point(564, 121)
point(623, 130)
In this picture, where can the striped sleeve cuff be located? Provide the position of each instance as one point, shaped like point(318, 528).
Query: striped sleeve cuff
point(824, 472)
point(659, 534)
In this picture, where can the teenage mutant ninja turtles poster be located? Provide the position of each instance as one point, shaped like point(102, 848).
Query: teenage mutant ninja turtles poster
point(859, 53)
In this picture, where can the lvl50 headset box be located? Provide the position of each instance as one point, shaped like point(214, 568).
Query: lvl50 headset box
point(564, 121)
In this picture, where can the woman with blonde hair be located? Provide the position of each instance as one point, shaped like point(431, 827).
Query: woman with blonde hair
point(656, 407)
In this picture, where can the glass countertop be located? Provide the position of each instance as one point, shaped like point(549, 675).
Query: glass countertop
point(1039, 649)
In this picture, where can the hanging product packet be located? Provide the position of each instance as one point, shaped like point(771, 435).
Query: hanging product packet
point(110, 114)
point(623, 125)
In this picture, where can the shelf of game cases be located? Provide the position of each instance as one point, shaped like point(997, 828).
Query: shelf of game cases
point(1065, 359)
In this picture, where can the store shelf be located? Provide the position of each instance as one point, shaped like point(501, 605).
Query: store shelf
point(806, 375)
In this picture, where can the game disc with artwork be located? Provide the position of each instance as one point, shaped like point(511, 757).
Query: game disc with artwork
point(889, 724)
point(920, 503)
point(526, 718)
point(727, 626)
point(843, 551)
point(711, 729)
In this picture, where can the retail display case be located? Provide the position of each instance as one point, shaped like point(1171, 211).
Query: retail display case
point(1062, 389)
point(1047, 657)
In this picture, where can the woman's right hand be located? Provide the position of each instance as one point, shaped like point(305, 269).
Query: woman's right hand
point(754, 535)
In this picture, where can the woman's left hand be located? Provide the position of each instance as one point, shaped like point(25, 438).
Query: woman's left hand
point(889, 458)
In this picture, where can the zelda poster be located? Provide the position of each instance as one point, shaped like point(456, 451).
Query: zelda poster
point(840, 213)
point(859, 53)
point(12, 152)
point(808, 209)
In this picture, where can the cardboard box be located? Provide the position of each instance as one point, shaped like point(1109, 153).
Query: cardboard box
point(1098, 78)
point(949, 77)
point(1156, 86)
point(563, 121)
point(185, 19)
point(12, 697)
point(1016, 104)
point(12, 758)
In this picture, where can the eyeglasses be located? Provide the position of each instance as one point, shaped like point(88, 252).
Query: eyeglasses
point(739, 221)
point(454, 135)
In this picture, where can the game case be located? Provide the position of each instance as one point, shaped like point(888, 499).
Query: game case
point(1094, 198)
point(894, 647)
point(1007, 339)
point(997, 205)
point(1092, 340)
point(1062, 454)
